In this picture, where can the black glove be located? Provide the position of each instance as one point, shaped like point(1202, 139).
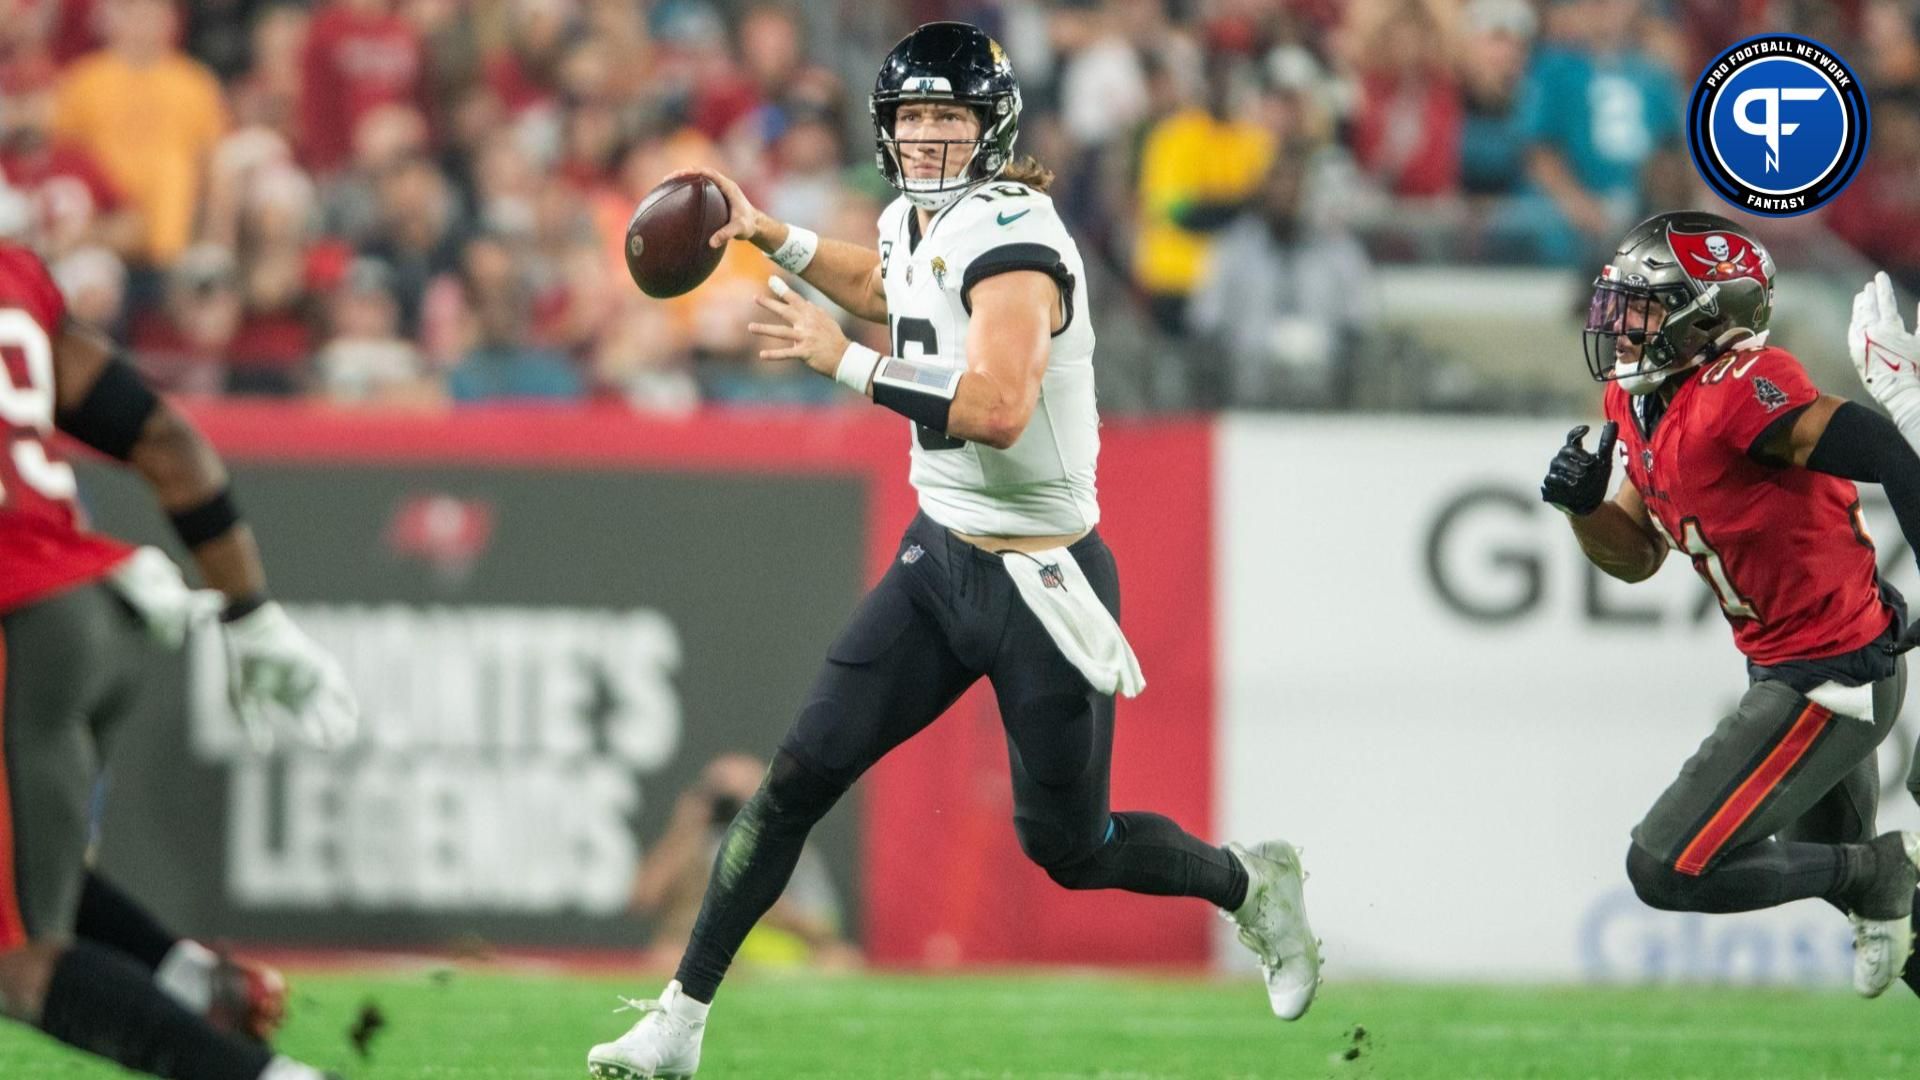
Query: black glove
point(1576, 482)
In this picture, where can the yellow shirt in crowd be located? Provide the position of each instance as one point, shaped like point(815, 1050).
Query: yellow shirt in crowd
point(1191, 157)
point(151, 129)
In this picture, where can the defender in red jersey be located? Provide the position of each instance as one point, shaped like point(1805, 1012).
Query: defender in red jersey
point(78, 959)
point(1735, 459)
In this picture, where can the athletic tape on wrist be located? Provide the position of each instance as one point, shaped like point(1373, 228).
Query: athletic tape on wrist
point(795, 255)
point(856, 367)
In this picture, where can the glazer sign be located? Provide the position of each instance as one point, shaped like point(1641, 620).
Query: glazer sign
point(499, 770)
point(1488, 552)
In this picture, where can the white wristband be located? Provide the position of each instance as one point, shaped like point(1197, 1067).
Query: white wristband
point(794, 255)
point(856, 368)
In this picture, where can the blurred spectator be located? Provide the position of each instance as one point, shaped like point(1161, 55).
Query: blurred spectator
point(270, 351)
point(1879, 213)
point(1103, 85)
point(1196, 169)
point(75, 204)
point(26, 44)
point(183, 346)
point(1287, 301)
point(420, 233)
point(384, 139)
point(268, 92)
point(94, 282)
point(367, 361)
point(807, 160)
point(1406, 132)
point(1891, 34)
point(501, 360)
point(1492, 63)
point(1593, 111)
point(359, 55)
point(641, 360)
point(150, 115)
point(525, 72)
point(804, 924)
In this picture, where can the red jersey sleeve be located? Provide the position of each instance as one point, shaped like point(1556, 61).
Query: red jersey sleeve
point(1752, 389)
point(24, 282)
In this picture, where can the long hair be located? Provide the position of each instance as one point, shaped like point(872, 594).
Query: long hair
point(1027, 170)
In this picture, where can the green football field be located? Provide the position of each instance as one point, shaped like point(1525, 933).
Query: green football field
point(472, 1024)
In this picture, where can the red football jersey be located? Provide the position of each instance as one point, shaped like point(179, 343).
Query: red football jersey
point(1784, 549)
point(44, 547)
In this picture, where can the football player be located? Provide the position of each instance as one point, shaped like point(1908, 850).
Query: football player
point(1887, 357)
point(1736, 460)
point(78, 959)
point(1002, 575)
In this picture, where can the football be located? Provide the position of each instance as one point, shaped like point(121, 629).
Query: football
point(666, 245)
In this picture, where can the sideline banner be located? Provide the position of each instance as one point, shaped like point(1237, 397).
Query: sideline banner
point(1423, 681)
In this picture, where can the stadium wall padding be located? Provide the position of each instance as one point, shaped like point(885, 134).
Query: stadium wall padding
point(555, 618)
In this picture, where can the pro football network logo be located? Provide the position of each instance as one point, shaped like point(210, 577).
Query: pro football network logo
point(1778, 125)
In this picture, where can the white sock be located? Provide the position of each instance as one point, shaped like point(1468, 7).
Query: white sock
point(186, 974)
point(281, 1068)
point(684, 1007)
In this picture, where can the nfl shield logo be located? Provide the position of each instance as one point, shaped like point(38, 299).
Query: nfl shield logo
point(1646, 461)
point(912, 554)
point(1051, 577)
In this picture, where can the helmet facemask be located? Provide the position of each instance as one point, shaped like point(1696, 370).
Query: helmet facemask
point(1672, 331)
point(980, 159)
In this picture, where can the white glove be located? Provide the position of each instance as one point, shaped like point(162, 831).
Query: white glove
point(151, 585)
point(281, 680)
point(1886, 356)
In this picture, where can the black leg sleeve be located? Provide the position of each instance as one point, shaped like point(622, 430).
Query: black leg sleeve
point(756, 859)
point(102, 1002)
point(112, 918)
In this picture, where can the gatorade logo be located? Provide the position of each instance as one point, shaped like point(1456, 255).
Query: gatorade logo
point(1777, 125)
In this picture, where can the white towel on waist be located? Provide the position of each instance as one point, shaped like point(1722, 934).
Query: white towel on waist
point(1061, 597)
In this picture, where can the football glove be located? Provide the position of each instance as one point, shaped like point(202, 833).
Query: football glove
point(1886, 355)
point(151, 585)
point(1576, 481)
point(280, 681)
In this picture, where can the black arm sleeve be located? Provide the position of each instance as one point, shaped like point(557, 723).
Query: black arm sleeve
point(1008, 257)
point(114, 412)
point(1860, 444)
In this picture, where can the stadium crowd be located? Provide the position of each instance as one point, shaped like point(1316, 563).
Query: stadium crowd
point(411, 202)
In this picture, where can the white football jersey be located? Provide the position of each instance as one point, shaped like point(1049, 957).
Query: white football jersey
point(1042, 485)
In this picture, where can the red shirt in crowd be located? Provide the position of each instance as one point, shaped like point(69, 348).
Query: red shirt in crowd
point(353, 63)
point(68, 188)
point(1407, 133)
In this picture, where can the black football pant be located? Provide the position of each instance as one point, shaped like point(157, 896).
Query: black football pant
point(945, 615)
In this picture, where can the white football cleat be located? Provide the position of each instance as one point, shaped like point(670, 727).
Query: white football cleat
point(1273, 923)
point(664, 1045)
point(1881, 946)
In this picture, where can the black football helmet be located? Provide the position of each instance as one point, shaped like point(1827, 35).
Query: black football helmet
point(947, 61)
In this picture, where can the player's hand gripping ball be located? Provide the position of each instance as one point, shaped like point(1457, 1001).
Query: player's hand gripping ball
point(1576, 481)
point(669, 246)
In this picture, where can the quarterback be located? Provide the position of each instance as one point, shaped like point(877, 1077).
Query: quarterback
point(1002, 575)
